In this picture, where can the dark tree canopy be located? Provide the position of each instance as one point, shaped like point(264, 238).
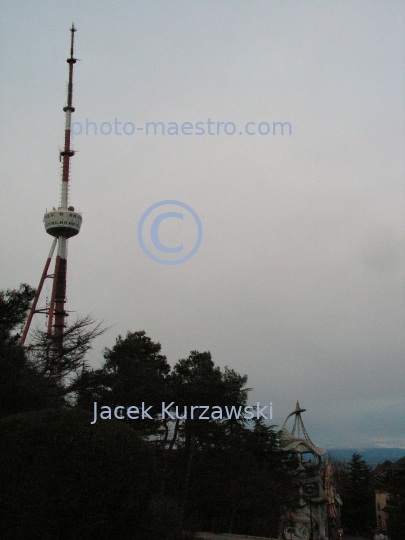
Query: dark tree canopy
point(60, 363)
point(14, 305)
point(22, 388)
point(66, 478)
point(197, 381)
point(239, 486)
point(63, 478)
point(134, 371)
point(358, 514)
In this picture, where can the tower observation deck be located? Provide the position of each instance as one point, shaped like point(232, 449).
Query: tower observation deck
point(64, 223)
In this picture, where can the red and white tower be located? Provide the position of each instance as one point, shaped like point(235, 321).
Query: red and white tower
point(62, 224)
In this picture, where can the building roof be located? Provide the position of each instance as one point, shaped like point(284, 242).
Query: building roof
point(386, 471)
point(398, 465)
point(381, 467)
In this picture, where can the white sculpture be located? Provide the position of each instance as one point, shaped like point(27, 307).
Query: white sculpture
point(308, 521)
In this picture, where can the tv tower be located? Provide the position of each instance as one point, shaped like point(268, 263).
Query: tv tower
point(62, 224)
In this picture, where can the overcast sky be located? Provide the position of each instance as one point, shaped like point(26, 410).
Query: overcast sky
point(299, 278)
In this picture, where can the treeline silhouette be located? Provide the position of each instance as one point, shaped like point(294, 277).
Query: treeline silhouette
point(65, 478)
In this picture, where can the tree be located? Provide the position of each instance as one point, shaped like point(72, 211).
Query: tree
point(134, 372)
point(22, 388)
point(37, 376)
point(358, 497)
point(223, 473)
point(340, 471)
point(59, 363)
point(64, 478)
point(14, 305)
point(239, 485)
point(228, 473)
point(196, 381)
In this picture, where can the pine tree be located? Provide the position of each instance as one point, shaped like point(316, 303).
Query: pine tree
point(22, 388)
point(358, 497)
point(134, 372)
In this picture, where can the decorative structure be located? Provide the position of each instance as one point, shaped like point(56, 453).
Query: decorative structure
point(309, 520)
point(62, 224)
point(333, 501)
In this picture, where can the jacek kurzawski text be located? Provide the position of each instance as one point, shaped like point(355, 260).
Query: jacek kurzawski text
point(192, 412)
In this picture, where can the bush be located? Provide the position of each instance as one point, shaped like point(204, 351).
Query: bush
point(64, 479)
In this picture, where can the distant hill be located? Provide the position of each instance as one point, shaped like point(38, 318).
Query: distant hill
point(373, 456)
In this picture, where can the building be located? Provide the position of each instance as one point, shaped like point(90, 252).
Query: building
point(386, 475)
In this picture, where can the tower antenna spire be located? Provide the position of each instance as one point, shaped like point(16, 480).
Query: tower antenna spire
point(61, 224)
